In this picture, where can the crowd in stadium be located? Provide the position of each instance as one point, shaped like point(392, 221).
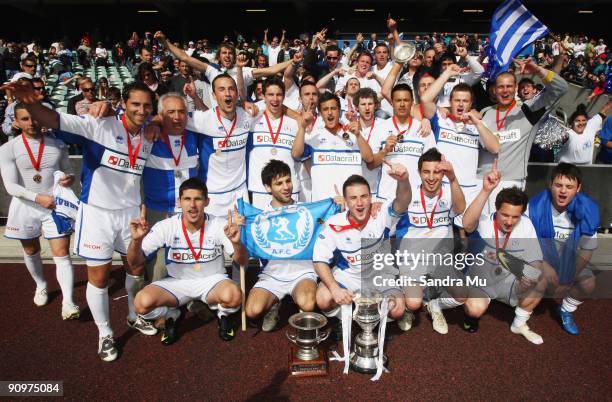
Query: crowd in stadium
point(422, 149)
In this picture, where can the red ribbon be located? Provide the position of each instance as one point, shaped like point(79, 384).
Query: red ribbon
point(132, 155)
point(196, 257)
point(430, 219)
point(41, 149)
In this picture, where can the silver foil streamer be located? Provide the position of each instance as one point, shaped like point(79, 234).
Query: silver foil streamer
point(552, 133)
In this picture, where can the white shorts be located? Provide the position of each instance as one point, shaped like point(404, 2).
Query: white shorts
point(354, 283)
point(262, 201)
point(281, 288)
point(186, 290)
point(503, 291)
point(220, 203)
point(26, 220)
point(101, 231)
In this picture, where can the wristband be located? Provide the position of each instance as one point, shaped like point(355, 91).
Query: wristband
point(549, 77)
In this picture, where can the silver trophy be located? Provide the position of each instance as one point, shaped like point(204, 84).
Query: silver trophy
point(404, 51)
point(308, 360)
point(365, 347)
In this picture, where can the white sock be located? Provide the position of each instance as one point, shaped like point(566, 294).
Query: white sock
point(335, 312)
point(444, 303)
point(224, 311)
point(133, 284)
point(155, 313)
point(34, 265)
point(520, 317)
point(570, 304)
point(65, 277)
point(97, 299)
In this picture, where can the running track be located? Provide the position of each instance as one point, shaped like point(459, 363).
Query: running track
point(491, 364)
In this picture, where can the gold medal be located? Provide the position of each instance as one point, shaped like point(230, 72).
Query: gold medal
point(218, 152)
point(37, 178)
point(459, 126)
point(196, 267)
point(178, 174)
point(273, 151)
point(400, 138)
point(345, 136)
point(498, 271)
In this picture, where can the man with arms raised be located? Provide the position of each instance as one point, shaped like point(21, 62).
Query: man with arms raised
point(516, 126)
point(335, 154)
point(461, 133)
point(194, 244)
point(279, 278)
point(566, 221)
point(114, 155)
point(27, 163)
point(428, 228)
point(508, 229)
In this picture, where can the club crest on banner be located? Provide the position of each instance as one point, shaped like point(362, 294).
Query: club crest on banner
point(285, 232)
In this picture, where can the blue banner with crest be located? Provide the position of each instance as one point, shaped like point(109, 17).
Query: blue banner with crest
point(286, 233)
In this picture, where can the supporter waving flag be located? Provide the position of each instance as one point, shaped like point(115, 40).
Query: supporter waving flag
point(513, 28)
point(286, 233)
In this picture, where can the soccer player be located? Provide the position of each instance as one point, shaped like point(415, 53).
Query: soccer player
point(173, 159)
point(461, 133)
point(272, 138)
point(397, 140)
point(27, 163)
point(566, 221)
point(469, 78)
point(428, 228)
point(365, 102)
point(351, 235)
point(335, 153)
point(194, 244)
point(516, 126)
point(508, 229)
point(222, 147)
point(279, 278)
point(114, 155)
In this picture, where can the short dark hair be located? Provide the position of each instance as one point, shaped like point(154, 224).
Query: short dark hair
point(327, 96)
point(19, 106)
point(512, 196)
point(462, 87)
point(366, 53)
point(273, 81)
point(580, 111)
point(307, 83)
point(568, 170)
point(274, 168)
point(526, 80)
point(113, 91)
point(332, 48)
point(353, 180)
point(136, 86)
point(380, 44)
point(402, 87)
point(447, 56)
point(147, 49)
point(364, 93)
point(218, 77)
point(193, 184)
point(431, 155)
point(29, 58)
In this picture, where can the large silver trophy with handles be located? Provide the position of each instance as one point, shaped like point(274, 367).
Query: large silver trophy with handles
point(307, 359)
point(404, 51)
point(365, 347)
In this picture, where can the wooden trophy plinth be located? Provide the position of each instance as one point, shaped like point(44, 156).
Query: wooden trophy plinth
point(308, 368)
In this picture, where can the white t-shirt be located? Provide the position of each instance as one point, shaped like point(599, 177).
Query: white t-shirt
point(442, 223)
point(579, 147)
point(273, 55)
point(17, 170)
point(372, 176)
point(382, 73)
point(353, 248)
point(226, 172)
point(333, 159)
point(460, 148)
point(406, 152)
point(262, 149)
point(168, 234)
point(108, 179)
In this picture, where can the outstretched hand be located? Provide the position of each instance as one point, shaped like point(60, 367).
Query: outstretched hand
point(491, 179)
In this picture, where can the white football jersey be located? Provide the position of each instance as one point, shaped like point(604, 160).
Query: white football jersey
point(180, 261)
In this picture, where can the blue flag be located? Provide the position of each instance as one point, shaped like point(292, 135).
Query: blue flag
point(286, 233)
point(513, 28)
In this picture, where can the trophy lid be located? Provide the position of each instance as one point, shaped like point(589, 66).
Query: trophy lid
point(308, 321)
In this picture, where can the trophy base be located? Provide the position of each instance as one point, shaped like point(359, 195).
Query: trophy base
point(308, 368)
point(365, 365)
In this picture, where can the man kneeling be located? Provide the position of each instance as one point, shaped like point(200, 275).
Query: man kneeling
point(279, 278)
point(194, 244)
